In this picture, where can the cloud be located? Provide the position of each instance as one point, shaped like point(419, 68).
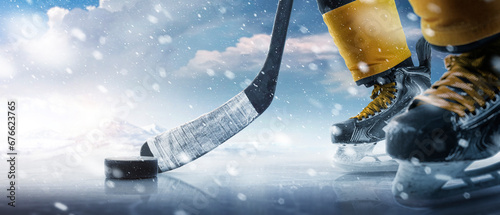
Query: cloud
point(54, 110)
point(113, 45)
point(341, 81)
point(114, 5)
point(7, 67)
point(302, 54)
point(56, 16)
point(247, 55)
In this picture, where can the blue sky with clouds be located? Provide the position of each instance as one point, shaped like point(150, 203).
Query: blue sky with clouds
point(71, 64)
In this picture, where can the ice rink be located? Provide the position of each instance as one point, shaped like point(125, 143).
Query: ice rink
point(234, 179)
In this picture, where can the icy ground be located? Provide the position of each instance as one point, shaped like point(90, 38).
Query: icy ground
point(234, 179)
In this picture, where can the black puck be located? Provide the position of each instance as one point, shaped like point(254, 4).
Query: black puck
point(135, 167)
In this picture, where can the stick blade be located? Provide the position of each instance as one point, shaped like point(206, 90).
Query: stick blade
point(192, 140)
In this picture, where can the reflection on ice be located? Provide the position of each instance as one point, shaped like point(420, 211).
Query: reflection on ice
point(145, 186)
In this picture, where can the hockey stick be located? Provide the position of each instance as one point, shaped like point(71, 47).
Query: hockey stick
point(190, 141)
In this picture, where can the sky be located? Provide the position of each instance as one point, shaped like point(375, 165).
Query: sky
point(71, 65)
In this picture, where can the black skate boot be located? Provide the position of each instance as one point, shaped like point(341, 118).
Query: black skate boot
point(453, 124)
point(356, 137)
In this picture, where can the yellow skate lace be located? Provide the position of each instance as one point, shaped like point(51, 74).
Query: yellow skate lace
point(382, 96)
point(469, 83)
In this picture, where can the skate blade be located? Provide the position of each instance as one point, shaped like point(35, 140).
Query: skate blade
point(365, 157)
point(433, 184)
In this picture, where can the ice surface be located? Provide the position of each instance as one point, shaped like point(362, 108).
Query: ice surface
point(238, 180)
point(224, 181)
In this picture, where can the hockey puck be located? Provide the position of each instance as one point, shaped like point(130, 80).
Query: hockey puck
point(131, 167)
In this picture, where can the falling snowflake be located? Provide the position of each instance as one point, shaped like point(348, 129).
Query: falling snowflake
point(229, 74)
point(60, 206)
point(434, 8)
point(463, 143)
point(335, 131)
point(363, 67)
point(242, 197)
point(97, 55)
point(152, 19)
point(164, 39)
point(412, 16)
point(313, 66)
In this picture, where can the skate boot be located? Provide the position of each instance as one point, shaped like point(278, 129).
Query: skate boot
point(447, 129)
point(356, 138)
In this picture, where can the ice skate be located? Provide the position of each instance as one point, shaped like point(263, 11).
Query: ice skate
point(445, 142)
point(358, 139)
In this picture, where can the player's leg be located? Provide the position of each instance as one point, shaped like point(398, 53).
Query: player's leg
point(457, 120)
point(371, 40)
